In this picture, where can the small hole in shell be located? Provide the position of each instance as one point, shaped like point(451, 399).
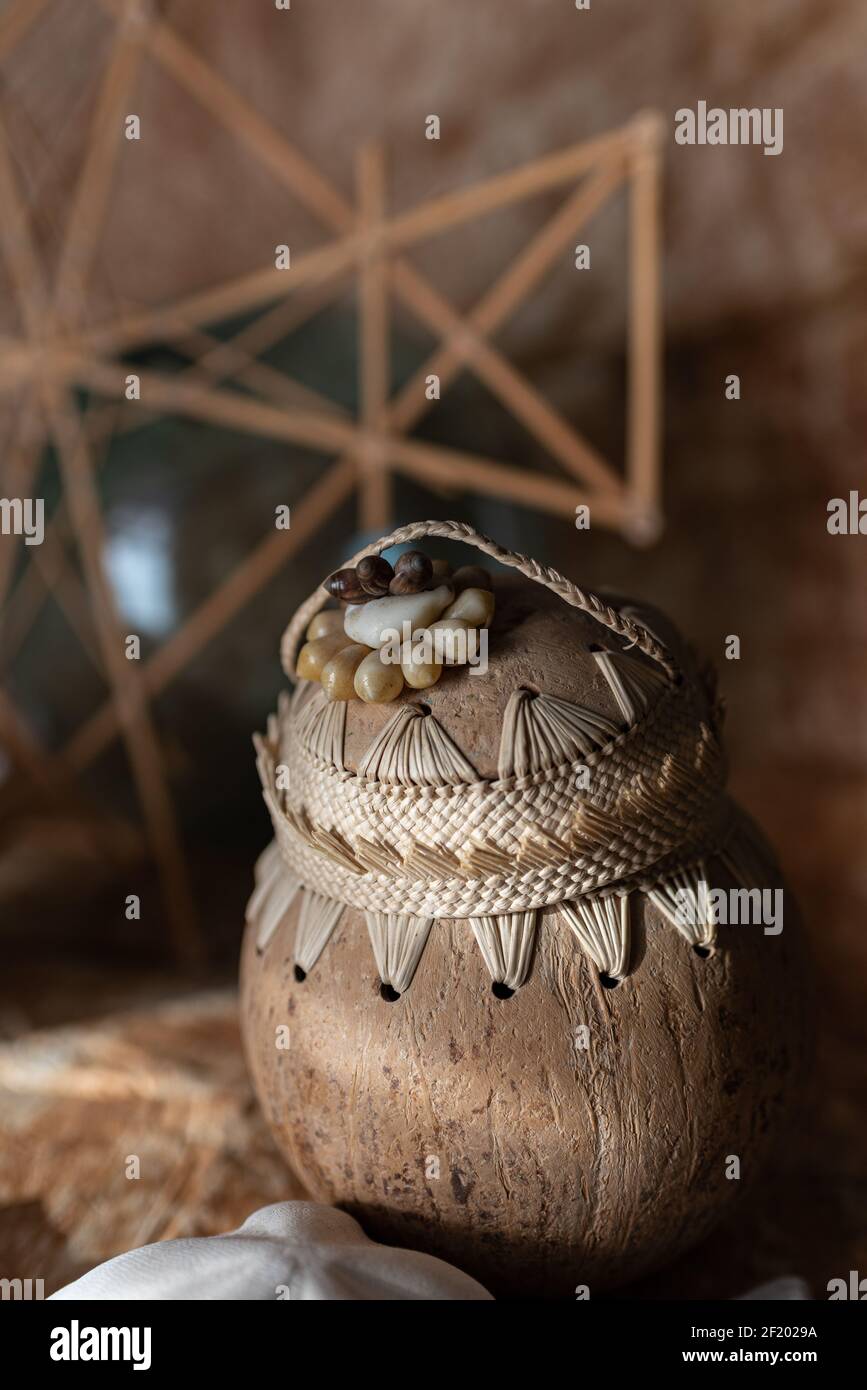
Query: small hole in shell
point(388, 993)
point(608, 981)
point(595, 647)
point(501, 991)
point(705, 952)
point(300, 975)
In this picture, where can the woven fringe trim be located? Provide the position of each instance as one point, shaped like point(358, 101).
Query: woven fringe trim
point(482, 848)
point(301, 696)
point(321, 727)
point(676, 896)
point(506, 944)
point(635, 684)
point(413, 749)
point(398, 942)
point(601, 926)
point(268, 867)
point(541, 731)
point(272, 897)
point(316, 922)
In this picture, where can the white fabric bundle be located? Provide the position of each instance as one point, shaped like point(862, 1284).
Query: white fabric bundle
point(778, 1291)
point(291, 1250)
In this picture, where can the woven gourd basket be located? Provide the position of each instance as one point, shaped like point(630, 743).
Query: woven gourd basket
point(475, 1011)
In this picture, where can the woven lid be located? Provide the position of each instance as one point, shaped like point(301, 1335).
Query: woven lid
point(586, 761)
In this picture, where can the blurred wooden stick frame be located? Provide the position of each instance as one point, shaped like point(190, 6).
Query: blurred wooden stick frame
point(56, 354)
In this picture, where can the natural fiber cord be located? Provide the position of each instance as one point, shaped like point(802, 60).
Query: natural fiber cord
point(551, 579)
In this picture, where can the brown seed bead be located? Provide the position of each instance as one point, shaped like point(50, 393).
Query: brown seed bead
point(328, 621)
point(412, 573)
point(374, 575)
point(345, 584)
point(313, 655)
point(471, 577)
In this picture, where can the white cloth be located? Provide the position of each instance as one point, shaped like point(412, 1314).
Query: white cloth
point(297, 1250)
point(779, 1290)
point(291, 1250)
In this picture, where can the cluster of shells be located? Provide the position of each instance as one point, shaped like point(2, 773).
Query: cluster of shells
point(351, 650)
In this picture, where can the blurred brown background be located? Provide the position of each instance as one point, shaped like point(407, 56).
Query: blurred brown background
point(765, 276)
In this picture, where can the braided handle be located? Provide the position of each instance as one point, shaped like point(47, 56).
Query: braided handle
point(633, 632)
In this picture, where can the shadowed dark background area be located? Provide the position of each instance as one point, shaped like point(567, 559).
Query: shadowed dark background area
point(765, 276)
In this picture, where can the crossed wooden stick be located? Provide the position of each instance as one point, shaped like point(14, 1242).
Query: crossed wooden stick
point(56, 353)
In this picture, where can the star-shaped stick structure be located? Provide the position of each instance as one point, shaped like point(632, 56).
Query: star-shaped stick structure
point(58, 353)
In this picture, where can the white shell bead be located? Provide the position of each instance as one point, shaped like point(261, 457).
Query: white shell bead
point(419, 674)
point(377, 681)
point(453, 640)
point(373, 623)
point(475, 606)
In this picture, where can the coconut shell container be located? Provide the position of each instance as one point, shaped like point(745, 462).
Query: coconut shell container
point(495, 1003)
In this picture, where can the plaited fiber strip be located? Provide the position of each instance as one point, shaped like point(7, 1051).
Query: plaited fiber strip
point(616, 622)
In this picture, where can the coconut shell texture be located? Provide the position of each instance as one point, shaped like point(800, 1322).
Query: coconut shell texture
point(571, 1134)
